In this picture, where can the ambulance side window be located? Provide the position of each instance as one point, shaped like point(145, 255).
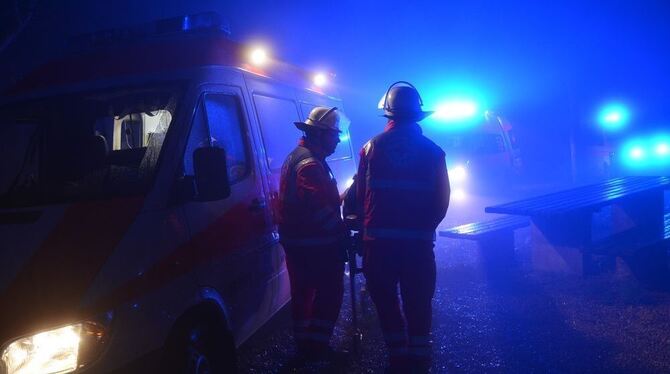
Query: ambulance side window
point(218, 123)
point(280, 136)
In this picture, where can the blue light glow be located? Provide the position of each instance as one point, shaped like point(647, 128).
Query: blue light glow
point(613, 117)
point(455, 110)
point(648, 152)
point(637, 153)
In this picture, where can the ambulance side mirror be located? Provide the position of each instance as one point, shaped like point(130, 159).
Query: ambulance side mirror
point(211, 174)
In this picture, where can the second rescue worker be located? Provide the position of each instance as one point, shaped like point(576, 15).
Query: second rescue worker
point(403, 188)
point(312, 232)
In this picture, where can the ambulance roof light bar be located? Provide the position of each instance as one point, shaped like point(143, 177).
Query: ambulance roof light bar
point(206, 21)
point(210, 21)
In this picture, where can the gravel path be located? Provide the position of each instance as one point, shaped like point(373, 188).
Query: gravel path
point(512, 321)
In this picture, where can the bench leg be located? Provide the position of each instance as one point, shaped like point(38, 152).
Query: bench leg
point(497, 252)
point(558, 242)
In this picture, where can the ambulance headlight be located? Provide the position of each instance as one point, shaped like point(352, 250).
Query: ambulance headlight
point(458, 173)
point(61, 350)
point(458, 195)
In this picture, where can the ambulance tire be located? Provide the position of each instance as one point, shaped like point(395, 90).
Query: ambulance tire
point(200, 343)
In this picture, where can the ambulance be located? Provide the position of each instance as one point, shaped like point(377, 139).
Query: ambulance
point(136, 191)
point(482, 156)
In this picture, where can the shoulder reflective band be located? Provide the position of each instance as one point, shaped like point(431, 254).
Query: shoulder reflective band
point(305, 162)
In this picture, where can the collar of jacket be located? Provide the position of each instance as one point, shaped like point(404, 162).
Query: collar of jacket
point(316, 149)
point(411, 126)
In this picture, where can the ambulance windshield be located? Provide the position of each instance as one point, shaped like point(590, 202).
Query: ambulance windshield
point(84, 146)
point(474, 144)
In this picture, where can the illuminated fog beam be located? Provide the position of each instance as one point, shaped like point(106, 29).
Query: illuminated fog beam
point(455, 110)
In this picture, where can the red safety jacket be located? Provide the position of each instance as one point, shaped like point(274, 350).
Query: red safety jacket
point(403, 186)
point(309, 202)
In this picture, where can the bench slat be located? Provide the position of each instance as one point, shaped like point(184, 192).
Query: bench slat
point(557, 198)
point(476, 230)
point(591, 196)
point(602, 198)
point(583, 195)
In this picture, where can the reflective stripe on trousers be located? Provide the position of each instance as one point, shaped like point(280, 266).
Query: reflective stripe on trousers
point(419, 346)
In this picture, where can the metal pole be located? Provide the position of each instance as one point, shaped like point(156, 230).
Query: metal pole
point(352, 250)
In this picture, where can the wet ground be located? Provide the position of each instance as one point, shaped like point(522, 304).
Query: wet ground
point(509, 320)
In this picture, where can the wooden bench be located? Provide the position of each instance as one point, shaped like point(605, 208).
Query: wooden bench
point(495, 238)
point(562, 223)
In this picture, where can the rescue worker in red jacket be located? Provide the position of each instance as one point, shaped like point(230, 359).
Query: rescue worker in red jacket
point(403, 194)
point(312, 232)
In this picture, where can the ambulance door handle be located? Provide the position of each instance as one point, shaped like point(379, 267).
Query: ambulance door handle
point(257, 205)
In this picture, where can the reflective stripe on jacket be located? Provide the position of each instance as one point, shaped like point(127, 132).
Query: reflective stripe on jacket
point(403, 190)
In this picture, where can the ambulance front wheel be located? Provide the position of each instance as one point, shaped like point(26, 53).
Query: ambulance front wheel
point(200, 344)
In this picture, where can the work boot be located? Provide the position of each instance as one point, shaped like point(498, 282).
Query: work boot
point(419, 367)
point(396, 369)
point(398, 366)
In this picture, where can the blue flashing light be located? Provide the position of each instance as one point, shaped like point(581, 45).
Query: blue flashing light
point(344, 137)
point(613, 117)
point(455, 110)
point(637, 153)
point(650, 152)
point(203, 21)
point(206, 21)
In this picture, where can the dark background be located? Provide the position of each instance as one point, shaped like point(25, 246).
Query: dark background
point(547, 67)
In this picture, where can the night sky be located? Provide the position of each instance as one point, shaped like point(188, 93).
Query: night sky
point(547, 67)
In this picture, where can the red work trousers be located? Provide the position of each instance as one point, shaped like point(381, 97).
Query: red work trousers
point(409, 266)
point(316, 276)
